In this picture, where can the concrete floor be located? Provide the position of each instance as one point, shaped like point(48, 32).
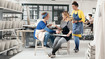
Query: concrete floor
point(28, 53)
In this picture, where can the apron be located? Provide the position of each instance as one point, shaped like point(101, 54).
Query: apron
point(77, 27)
point(66, 31)
point(39, 34)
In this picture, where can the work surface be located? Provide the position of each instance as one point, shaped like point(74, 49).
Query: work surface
point(28, 53)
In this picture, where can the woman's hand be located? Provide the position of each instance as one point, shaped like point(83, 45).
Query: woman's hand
point(55, 25)
point(57, 31)
point(80, 21)
point(49, 25)
point(68, 35)
point(74, 21)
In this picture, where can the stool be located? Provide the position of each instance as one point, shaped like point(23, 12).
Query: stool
point(39, 47)
point(65, 46)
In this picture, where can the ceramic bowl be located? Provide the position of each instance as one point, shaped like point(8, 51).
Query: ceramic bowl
point(3, 45)
point(15, 43)
point(0, 45)
point(17, 6)
point(3, 24)
point(10, 52)
point(6, 4)
point(14, 51)
point(9, 5)
point(13, 6)
point(11, 44)
point(2, 3)
point(7, 44)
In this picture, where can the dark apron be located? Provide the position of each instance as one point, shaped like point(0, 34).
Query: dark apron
point(66, 31)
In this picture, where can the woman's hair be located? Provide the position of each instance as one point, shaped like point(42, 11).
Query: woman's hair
point(75, 3)
point(66, 14)
point(90, 15)
point(44, 14)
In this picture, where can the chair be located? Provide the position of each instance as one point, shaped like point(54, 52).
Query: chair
point(39, 47)
point(65, 46)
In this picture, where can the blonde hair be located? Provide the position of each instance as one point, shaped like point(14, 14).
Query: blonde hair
point(65, 13)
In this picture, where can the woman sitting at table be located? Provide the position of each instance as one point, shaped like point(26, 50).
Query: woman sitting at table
point(42, 32)
point(66, 27)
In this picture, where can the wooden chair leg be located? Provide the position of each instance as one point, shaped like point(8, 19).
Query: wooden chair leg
point(35, 47)
point(43, 47)
point(68, 51)
point(68, 48)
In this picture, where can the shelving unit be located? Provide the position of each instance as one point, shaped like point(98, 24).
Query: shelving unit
point(8, 11)
point(8, 49)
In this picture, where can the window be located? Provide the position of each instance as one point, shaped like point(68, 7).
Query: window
point(37, 9)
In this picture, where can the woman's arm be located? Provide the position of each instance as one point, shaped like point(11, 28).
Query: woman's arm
point(49, 30)
point(82, 16)
point(58, 27)
point(49, 25)
point(70, 32)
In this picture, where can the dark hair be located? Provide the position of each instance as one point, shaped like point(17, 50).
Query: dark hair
point(90, 15)
point(75, 3)
point(44, 14)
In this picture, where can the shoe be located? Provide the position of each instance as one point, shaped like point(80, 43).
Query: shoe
point(76, 51)
point(51, 55)
point(46, 46)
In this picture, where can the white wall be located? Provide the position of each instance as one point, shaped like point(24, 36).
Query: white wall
point(87, 6)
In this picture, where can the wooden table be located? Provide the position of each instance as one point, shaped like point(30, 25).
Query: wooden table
point(23, 35)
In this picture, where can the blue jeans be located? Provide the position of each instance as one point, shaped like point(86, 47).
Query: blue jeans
point(48, 36)
point(76, 39)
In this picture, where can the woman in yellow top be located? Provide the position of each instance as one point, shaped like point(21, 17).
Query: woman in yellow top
point(78, 19)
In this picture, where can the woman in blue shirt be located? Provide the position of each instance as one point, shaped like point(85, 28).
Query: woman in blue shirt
point(42, 25)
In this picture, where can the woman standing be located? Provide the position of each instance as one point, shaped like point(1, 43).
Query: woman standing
point(78, 19)
point(66, 27)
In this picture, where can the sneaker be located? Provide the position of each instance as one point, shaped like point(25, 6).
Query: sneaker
point(51, 55)
point(46, 46)
point(76, 51)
